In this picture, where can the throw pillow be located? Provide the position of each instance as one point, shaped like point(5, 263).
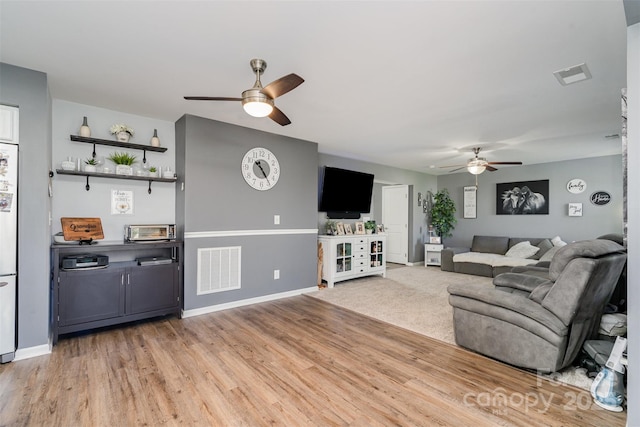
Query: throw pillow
point(557, 241)
point(522, 250)
point(544, 246)
point(549, 254)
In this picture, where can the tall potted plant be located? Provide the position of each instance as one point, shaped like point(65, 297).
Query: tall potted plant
point(442, 213)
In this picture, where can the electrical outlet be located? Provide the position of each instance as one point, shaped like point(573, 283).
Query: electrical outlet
point(276, 274)
point(276, 219)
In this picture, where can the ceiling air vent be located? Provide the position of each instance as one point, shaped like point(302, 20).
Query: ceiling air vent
point(574, 74)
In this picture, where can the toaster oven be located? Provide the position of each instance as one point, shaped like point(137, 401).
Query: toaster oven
point(149, 233)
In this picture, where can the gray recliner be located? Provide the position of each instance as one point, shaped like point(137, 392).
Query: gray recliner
point(535, 322)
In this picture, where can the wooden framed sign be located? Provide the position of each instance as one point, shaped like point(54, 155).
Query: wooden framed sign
point(81, 229)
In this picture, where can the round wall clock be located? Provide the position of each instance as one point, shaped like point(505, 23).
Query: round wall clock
point(576, 186)
point(260, 168)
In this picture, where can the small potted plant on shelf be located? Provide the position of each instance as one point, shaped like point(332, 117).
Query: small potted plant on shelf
point(123, 162)
point(369, 227)
point(330, 227)
point(153, 172)
point(122, 132)
point(90, 164)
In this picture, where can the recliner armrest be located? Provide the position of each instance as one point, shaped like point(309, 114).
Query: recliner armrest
point(521, 281)
point(446, 257)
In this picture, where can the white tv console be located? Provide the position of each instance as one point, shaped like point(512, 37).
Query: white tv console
point(348, 257)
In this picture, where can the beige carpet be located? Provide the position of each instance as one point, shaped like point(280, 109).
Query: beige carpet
point(416, 298)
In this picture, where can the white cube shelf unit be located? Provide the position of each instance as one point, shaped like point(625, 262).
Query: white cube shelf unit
point(349, 257)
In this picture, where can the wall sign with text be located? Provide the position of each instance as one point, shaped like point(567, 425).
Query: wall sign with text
point(576, 186)
point(600, 198)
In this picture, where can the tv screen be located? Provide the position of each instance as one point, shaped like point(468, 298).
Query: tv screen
point(345, 193)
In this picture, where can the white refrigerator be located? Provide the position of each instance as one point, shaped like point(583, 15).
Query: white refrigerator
point(8, 249)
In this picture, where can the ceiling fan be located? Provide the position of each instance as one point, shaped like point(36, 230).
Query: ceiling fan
point(477, 165)
point(258, 101)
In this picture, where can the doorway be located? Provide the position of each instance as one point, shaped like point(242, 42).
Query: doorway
point(395, 217)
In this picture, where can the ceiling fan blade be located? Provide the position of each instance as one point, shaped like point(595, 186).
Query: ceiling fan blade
point(454, 170)
point(490, 168)
point(452, 166)
point(283, 85)
point(504, 163)
point(279, 117)
point(211, 98)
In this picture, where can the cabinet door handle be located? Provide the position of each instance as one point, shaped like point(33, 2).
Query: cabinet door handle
point(122, 279)
point(128, 282)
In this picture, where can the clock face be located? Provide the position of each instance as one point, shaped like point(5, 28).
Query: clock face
point(260, 168)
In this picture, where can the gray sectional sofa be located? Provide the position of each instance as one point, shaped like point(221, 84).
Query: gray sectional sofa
point(486, 256)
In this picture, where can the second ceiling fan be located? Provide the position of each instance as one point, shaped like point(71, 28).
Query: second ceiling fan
point(259, 101)
point(477, 165)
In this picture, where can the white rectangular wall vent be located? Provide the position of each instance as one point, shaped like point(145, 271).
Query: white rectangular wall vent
point(218, 269)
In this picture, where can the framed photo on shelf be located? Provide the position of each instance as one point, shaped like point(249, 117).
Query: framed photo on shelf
point(340, 228)
point(359, 227)
point(347, 229)
point(436, 240)
point(380, 228)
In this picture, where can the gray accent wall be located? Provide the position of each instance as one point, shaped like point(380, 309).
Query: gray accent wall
point(28, 90)
point(600, 173)
point(387, 175)
point(217, 203)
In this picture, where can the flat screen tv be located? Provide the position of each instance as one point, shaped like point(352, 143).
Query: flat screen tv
point(345, 193)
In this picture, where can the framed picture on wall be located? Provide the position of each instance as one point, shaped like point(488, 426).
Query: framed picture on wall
point(523, 198)
point(470, 201)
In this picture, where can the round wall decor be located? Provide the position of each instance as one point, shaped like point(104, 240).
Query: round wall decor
point(576, 186)
point(600, 198)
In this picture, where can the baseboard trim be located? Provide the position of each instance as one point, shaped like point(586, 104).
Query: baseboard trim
point(29, 352)
point(240, 303)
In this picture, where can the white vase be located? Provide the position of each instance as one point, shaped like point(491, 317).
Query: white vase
point(123, 136)
point(85, 130)
point(89, 168)
point(124, 170)
point(153, 174)
point(155, 141)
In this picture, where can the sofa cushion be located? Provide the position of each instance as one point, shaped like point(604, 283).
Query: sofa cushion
point(544, 245)
point(548, 256)
point(522, 250)
point(493, 260)
point(490, 244)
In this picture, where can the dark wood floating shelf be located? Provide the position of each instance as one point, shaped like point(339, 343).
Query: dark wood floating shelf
point(113, 143)
point(117, 176)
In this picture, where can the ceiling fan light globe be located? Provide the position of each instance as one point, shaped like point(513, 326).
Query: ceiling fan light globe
point(257, 108)
point(477, 166)
point(476, 170)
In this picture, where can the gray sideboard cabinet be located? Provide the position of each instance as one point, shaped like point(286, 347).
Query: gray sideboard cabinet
point(125, 291)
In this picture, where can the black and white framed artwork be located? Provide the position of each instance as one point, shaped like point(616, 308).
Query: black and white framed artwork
point(523, 198)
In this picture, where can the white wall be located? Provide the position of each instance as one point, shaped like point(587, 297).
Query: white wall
point(70, 199)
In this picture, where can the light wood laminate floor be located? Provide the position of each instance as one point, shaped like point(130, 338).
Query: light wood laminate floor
point(296, 361)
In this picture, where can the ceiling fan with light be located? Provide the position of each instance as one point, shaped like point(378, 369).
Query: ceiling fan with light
point(477, 165)
point(258, 101)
